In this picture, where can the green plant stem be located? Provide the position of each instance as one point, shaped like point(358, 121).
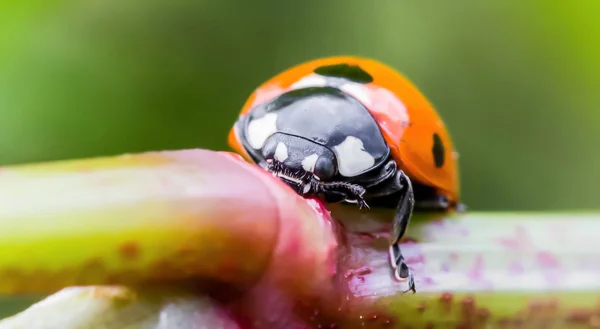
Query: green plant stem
point(474, 270)
point(478, 270)
point(158, 218)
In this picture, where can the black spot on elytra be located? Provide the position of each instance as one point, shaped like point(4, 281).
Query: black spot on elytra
point(345, 71)
point(438, 151)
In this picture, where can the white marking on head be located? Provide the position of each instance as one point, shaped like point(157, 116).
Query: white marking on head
point(260, 129)
point(313, 80)
point(281, 152)
point(309, 162)
point(352, 157)
point(357, 91)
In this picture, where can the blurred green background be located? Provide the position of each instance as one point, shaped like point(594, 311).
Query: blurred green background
point(516, 81)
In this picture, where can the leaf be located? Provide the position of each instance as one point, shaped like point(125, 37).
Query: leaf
point(287, 264)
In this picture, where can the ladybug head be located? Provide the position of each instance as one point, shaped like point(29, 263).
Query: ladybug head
point(300, 156)
point(308, 167)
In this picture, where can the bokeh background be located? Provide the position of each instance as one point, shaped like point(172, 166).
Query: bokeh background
point(516, 81)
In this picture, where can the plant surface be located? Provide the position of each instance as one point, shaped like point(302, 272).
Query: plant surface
point(201, 239)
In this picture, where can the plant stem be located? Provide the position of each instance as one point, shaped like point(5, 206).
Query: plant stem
point(477, 270)
point(206, 223)
point(190, 217)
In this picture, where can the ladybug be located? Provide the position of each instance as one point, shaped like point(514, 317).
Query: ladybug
point(352, 129)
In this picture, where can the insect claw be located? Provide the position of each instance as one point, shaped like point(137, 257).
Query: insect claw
point(362, 204)
point(411, 284)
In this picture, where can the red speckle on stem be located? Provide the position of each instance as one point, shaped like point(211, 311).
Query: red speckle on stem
point(129, 251)
point(358, 273)
point(428, 280)
point(519, 241)
point(446, 301)
point(414, 255)
point(419, 258)
point(476, 272)
point(579, 316)
point(446, 297)
point(547, 260)
point(515, 268)
point(468, 306)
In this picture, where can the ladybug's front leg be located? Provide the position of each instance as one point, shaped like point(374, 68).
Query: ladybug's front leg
point(404, 211)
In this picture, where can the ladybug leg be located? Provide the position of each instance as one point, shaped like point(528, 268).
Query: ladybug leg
point(341, 191)
point(401, 270)
point(334, 196)
point(404, 211)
